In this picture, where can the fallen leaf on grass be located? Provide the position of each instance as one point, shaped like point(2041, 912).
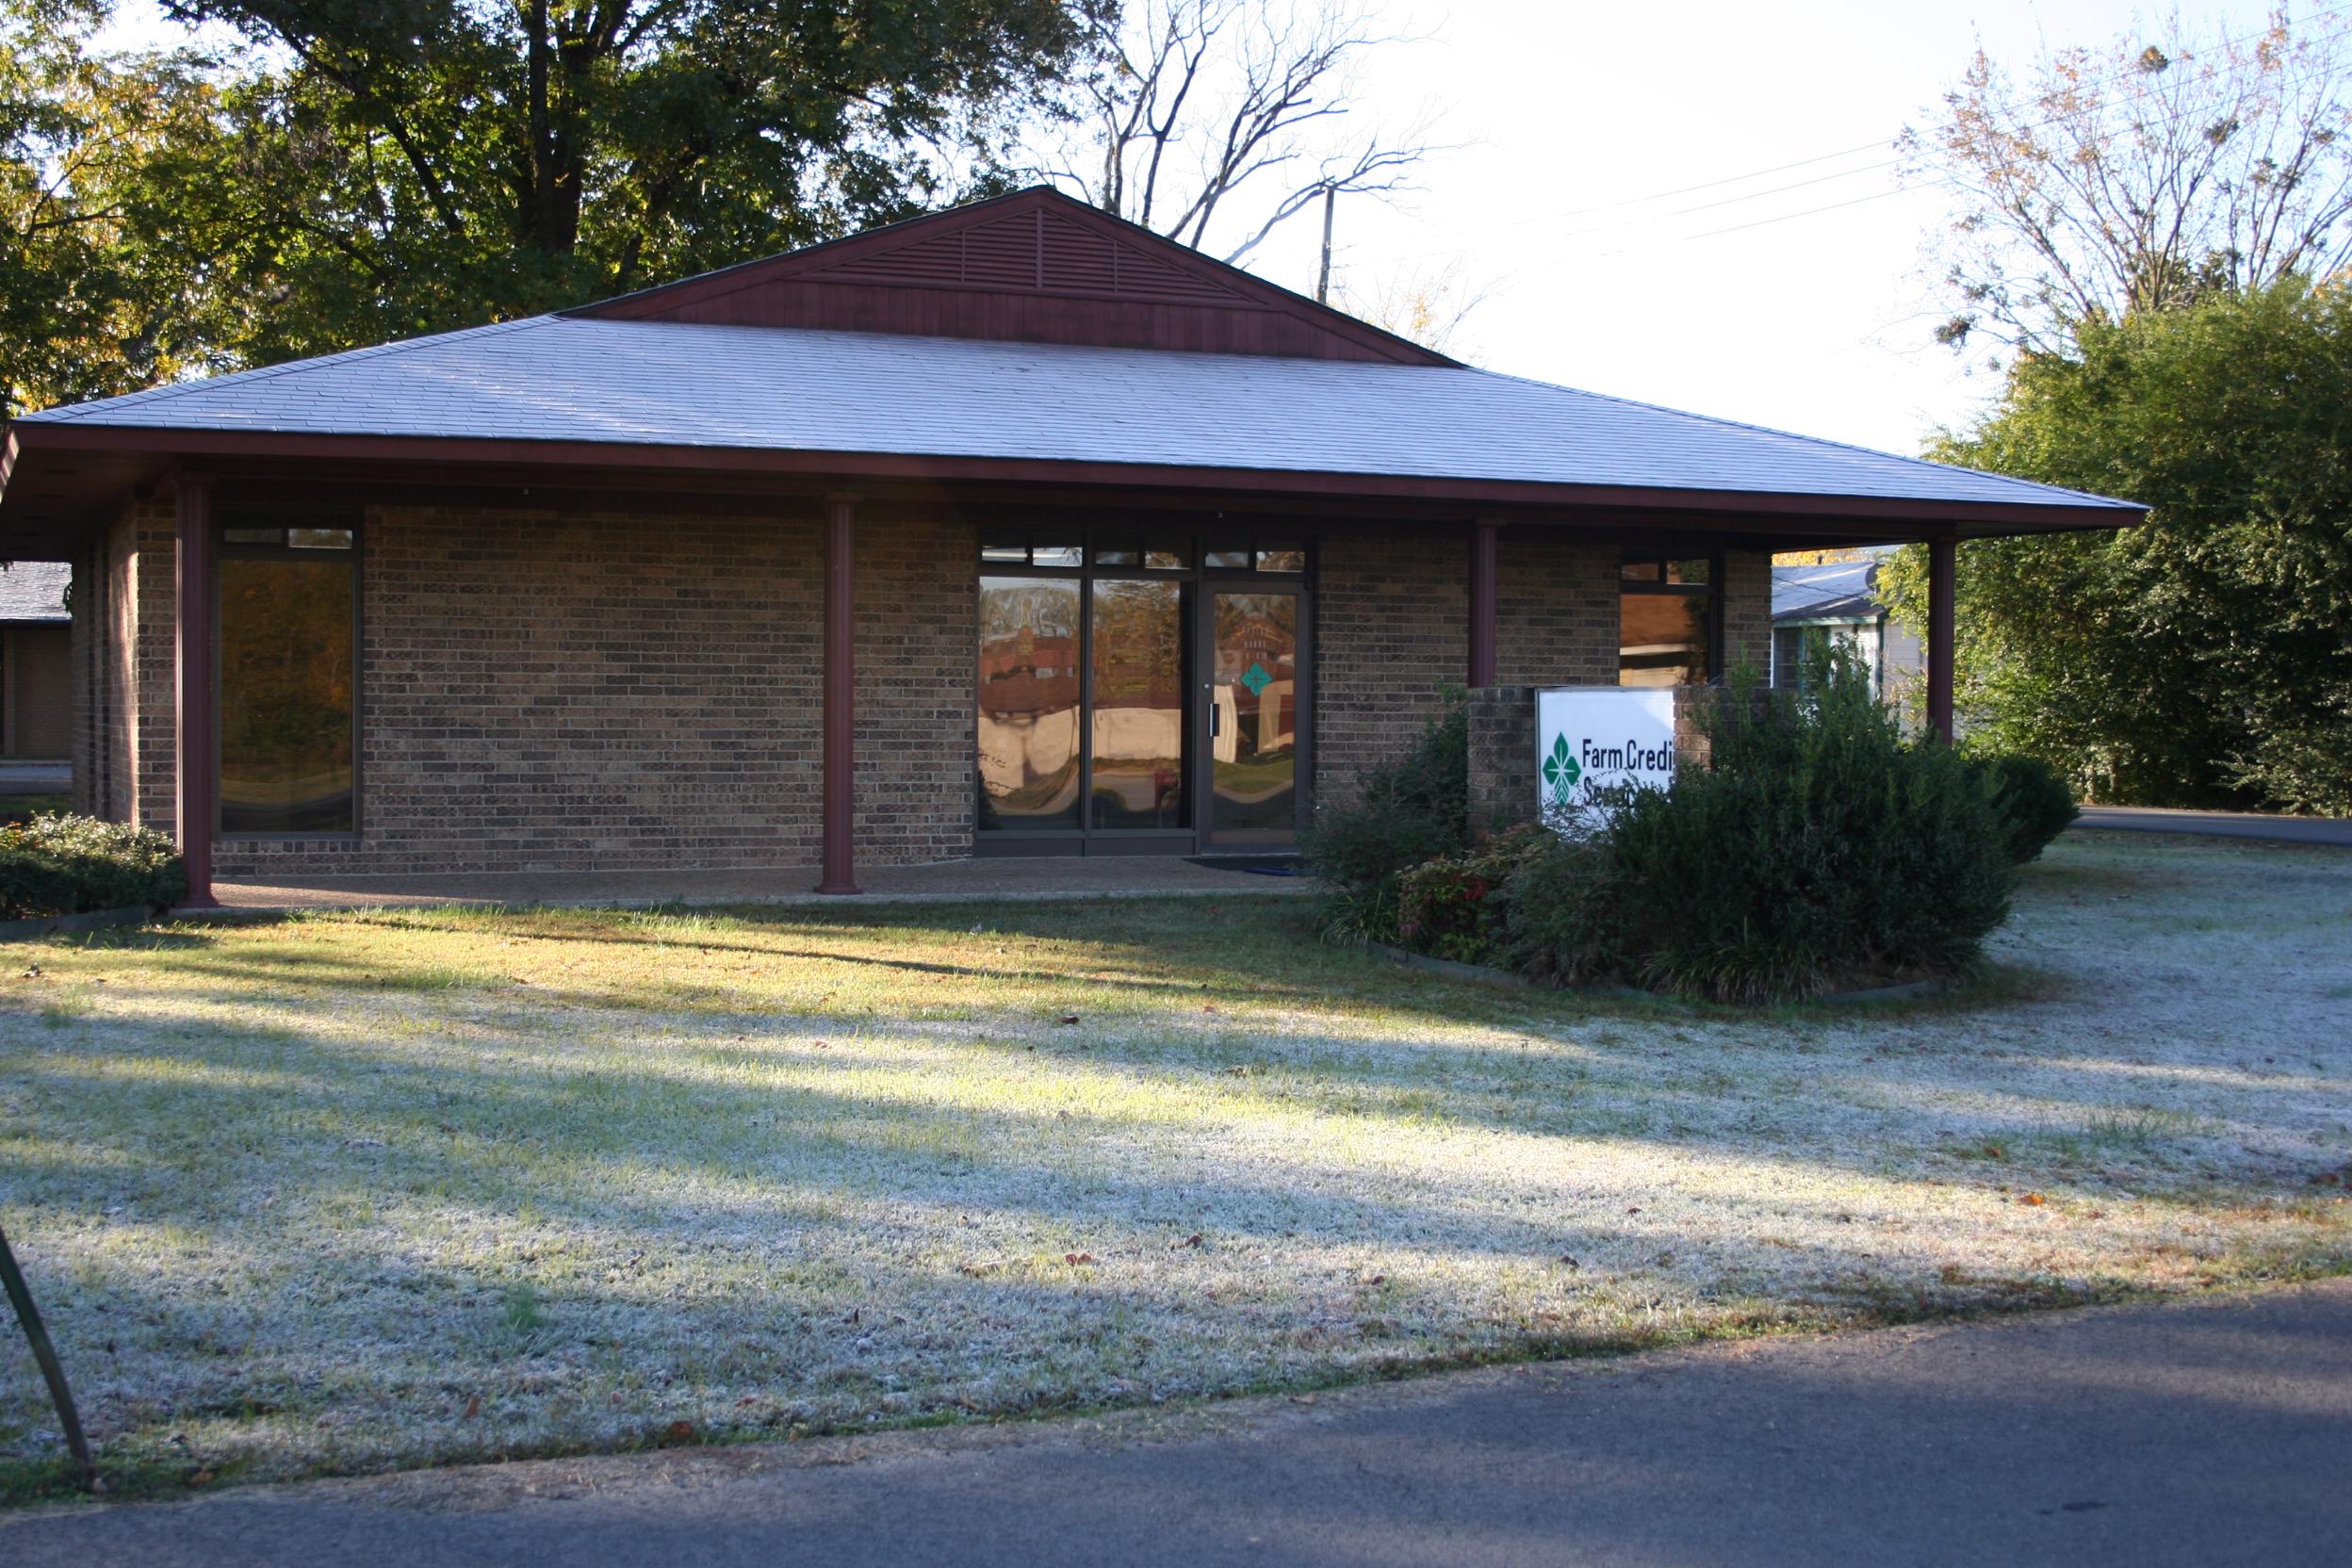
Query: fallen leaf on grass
point(1078, 1257)
point(1070, 1018)
point(980, 1270)
point(1192, 1240)
point(679, 1432)
point(2031, 1199)
point(473, 1408)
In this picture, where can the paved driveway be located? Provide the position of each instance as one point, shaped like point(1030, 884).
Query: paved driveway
point(2220, 825)
point(2207, 1433)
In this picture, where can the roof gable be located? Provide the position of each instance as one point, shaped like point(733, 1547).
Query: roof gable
point(1033, 267)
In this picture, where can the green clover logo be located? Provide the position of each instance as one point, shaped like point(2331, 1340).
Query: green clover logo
point(1560, 770)
point(1257, 679)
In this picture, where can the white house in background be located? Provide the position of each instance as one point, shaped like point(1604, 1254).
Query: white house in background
point(1838, 601)
point(36, 663)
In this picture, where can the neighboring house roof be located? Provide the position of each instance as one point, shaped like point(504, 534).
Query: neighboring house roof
point(680, 385)
point(1831, 591)
point(33, 591)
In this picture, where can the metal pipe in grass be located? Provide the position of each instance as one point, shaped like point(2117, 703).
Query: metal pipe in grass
point(21, 1297)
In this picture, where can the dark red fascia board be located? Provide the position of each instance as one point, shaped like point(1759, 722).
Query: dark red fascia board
point(577, 460)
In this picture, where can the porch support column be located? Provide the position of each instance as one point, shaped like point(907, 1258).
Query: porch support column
point(193, 740)
point(1482, 532)
point(1942, 569)
point(840, 696)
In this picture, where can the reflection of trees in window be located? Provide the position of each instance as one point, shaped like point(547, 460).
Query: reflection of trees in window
point(286, 687)
point(1136, 725)
point(1666, 623)
point(1028, 702)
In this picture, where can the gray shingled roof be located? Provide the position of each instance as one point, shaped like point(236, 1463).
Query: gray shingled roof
point(560, 378)
point(34, 591)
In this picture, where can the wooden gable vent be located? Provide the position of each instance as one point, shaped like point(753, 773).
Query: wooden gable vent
point(1033, 267)
point(1035, 250)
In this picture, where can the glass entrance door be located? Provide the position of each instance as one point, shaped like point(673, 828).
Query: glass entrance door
point(1141, 692)
point(1254, 698)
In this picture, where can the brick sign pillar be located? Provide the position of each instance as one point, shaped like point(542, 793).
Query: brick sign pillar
point(840, 696)
point(193, 740)
point(1502, 759)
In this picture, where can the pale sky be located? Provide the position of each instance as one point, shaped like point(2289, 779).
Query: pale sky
point(1579, 117)
point(1818, 324)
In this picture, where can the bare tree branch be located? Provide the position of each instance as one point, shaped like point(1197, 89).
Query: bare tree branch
point(1199, 106)
point(2144, 177)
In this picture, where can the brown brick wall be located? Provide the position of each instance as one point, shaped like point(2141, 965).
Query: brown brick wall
point(1748, 611)
point(569, 692)
point(566, 691)
point(122, 669)
point(1555, 607)
point(1392, 633)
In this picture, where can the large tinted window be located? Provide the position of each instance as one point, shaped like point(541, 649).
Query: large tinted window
point(1666, 622)
point(1028, 719)
point(287, 694)
point(1138, 704)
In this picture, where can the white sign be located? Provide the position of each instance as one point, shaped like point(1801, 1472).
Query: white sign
point(1593, 738)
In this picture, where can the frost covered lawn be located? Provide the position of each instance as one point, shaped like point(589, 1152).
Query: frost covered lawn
point(361, 1190)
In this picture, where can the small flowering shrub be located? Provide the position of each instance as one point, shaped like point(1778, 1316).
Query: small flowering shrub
point(1451, 908)
point(65, 865)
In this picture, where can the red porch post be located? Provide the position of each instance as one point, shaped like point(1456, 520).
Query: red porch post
point(192, 712)
point(1943, 568)
point(1482, 533)
point(840, 696)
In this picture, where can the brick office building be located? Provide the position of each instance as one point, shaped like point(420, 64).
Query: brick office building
point(1014, 528)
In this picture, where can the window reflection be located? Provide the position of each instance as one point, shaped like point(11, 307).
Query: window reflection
point(286, 694)
point(1663, 640)
point(1138, 714)
point(1028, 703)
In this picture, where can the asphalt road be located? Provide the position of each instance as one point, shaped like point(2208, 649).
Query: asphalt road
point(2220, 825)
point(2207, 1433)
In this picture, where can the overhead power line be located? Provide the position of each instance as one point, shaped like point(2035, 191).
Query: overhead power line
point(2332, 13)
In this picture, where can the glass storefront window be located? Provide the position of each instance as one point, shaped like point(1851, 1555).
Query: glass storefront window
point(1666, 623)
point(1138, 718)
point(287, 695)
point(1028, 703)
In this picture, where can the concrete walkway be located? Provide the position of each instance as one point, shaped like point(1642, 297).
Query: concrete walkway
point(2207, 1433)
point(1107, 876)
point(2219, 825)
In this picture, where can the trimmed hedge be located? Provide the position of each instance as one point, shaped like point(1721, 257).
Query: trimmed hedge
point(63, 865)
point(2035, 804)
point(1816, 850)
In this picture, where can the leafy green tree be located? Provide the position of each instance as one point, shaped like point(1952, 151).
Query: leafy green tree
point(412, 165)
point(103, 279)
point(2206, 658)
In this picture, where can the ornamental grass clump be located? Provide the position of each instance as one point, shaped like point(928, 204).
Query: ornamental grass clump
point(66, 865)
point(1815, 850)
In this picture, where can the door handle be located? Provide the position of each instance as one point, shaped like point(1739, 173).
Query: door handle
point(1217, 717)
